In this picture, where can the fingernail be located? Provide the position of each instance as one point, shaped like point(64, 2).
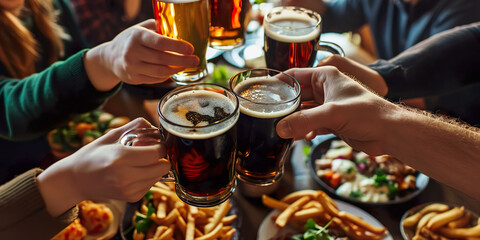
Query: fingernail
point(284, 129)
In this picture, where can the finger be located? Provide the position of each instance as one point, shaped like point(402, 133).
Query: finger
point(115, 134)
point(149, 23)
point(162, 74)
point(167, 58)
point(309, 104)
point(159, 42)
point(299, 124)
point(154, 171)
point(143, 156)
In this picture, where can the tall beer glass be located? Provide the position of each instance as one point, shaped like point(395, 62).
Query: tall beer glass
point(198, 129)
point(186, 20)
point(265, 97)
point(227, 27)
point(292, 38)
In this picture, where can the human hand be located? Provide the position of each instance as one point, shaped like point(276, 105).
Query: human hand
point(334, 103)
point(137, 55)
point(104, 169)
point(360, 72)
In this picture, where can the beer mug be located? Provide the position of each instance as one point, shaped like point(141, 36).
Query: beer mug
point(227, 23)
point(186, 20)
point(266, 96)
point(292, 38)
point(198, 129)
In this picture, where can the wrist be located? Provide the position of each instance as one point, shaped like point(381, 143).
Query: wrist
point(98, 70)
point(58, 189)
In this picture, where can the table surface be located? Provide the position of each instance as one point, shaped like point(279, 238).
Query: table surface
point(141, 102)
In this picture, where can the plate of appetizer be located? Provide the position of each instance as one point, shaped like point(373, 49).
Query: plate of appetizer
point(162, 215)
point(312, 212)
point(98, 220)
point(440, 221)
point(357, 177)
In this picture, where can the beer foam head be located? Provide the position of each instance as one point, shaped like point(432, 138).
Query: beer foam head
point(266, 97)
point(200, 102)
point(292, 26)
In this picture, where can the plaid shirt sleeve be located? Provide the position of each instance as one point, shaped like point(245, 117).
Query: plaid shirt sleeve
point(100, 20)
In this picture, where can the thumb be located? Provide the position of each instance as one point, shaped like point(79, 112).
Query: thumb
point(299, 124)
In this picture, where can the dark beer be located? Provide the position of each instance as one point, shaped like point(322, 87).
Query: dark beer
point(292, 48)
point(261, 152)
point(200, 136)
point(227, 27)
point(186, 20)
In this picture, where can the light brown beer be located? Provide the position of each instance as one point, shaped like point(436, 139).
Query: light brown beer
point(227, 28)
point(186, 20)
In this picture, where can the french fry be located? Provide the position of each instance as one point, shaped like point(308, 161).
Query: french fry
point(137, 235)
point(292, 197)
point(167, 234)
point(444, 218)
point(360, 222)
point(424, 221)
point(218, 216)
point(228, 235)
point(273, 203)
point(229, 219)
point(282, 219)
point(162, 208)
point(434, 207)
point(190, 229)
point(212, 234)
point(159, 192)
point(159, 231)
point(461, 222)
point(305, 214)
point(460, 232)
point(326, 202)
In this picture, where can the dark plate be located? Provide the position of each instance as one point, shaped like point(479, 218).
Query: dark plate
point(131, 207)
point(322, 147)
point(409, 232)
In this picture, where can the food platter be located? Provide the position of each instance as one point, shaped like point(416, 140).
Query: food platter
point(268, 230)
point(130, 208)
point(409, 232)
point(321, 147)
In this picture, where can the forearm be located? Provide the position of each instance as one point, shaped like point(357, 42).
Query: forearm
point(43, 101)
point(58, 188)
point(21, 205)
point(99, 69)
point(443, 150)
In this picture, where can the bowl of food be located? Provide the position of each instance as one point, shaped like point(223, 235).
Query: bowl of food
point(439, 221)
point(82, 130)
point(162, 215)
point(307, 213)
point(360, 178)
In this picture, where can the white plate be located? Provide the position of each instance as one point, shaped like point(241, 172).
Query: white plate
point(268, 229)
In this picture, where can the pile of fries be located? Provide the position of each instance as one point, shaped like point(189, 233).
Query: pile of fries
point(174, 219)
point(439, 221)
point(296, 208)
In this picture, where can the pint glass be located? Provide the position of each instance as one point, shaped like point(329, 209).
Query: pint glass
point(186, 20)
point(266, 96)
point(292, 38)
point(198, 129)
point(227, 27)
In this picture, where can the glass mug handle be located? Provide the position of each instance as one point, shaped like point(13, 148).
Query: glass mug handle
point(145, 137)
point(330, 47)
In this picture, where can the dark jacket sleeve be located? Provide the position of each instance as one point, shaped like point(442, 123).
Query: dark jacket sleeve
point(23, 211)
point(36, 104)
point(343, 16)
point(446, 61)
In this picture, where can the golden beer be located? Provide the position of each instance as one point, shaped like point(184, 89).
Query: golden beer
point(186, 20)
point(227, 27)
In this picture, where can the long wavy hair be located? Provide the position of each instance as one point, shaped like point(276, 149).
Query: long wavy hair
point(19, 49)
